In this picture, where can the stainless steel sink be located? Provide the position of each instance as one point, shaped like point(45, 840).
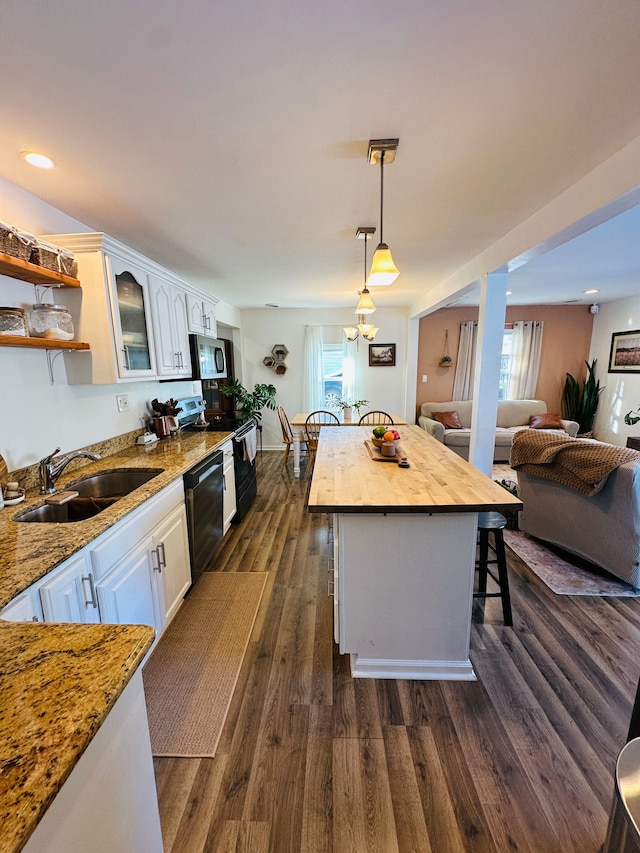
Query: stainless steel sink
point(113, 484)
point(77, 509)
point(95, 493)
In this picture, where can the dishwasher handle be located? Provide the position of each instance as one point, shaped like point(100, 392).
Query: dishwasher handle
point(200, 472)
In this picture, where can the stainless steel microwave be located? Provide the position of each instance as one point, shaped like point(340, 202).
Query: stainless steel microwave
point(207, 357)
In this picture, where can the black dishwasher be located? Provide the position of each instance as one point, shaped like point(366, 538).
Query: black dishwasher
point(203, 488)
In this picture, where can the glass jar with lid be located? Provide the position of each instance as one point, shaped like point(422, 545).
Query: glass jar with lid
point(13, 322)
point(51, 321)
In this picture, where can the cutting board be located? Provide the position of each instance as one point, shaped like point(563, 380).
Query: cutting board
point(375, 454)
point(4, 472)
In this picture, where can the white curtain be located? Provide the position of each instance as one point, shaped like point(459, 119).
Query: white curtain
point(313, 379)
point(463, 382)
point(349, 370)
point(525, 359)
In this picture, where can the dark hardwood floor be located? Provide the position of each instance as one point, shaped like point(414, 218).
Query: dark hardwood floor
point(313, 761)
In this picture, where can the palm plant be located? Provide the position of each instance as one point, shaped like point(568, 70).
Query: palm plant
point(580, 399)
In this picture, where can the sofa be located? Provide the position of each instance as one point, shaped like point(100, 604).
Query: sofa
point(513, 415)
point(603, 528)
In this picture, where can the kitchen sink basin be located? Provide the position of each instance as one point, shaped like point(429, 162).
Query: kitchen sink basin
point(95, 493)
point(113, 484)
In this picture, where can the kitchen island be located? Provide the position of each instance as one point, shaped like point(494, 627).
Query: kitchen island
point(404, 551)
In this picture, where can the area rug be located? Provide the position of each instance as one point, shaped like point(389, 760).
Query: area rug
point(190, 676)
point(562, 576)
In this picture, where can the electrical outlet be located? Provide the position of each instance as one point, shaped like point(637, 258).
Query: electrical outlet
point(122, 402)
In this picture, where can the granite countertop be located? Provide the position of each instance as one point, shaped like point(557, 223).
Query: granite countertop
point(57, 686)
point(58, 682)
point(31, 550)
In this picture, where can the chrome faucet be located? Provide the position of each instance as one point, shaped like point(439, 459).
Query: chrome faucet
point(50, 471)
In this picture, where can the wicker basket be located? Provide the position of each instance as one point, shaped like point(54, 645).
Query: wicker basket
point(16, 243)
point(52, 257)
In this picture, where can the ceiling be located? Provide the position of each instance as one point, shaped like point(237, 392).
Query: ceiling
point(228, 141)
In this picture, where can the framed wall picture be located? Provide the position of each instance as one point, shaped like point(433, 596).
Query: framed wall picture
point(382, 355)
point(625, 352)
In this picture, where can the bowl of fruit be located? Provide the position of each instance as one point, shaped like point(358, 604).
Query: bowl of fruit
point(384, 433)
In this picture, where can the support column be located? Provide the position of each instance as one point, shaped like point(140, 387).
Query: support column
point(491, 319)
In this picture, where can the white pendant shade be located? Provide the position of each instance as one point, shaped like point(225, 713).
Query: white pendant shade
point(365, 306)
point(383, 270)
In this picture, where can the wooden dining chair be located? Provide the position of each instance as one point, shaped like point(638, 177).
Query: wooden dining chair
point(287, 437)
point(376, 417)
point(312, 427)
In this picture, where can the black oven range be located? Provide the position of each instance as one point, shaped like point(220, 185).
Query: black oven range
point(244, 444)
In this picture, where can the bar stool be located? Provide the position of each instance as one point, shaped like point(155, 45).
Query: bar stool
point(495, 523)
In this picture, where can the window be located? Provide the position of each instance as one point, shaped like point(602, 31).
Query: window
point(332, 375)
point(506, 365)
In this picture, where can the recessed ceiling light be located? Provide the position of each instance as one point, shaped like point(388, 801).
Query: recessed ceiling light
point(509, 293)
point(39, 160)
point(593, 290)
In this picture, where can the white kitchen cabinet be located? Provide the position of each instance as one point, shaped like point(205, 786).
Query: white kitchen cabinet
point(25, 607)
point(170, 328)
point(229, 486)
point(68, 593)
point(142, 563)
point(112, 312)
point(130, 306)
point(202, 315)
point(126, 595)
point(170, 566)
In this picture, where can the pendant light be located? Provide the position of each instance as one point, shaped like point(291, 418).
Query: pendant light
point(383, 270)
point(365, 305)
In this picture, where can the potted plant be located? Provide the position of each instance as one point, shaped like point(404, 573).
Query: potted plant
point(580, 400)
point(346, 405)
point(249, 403)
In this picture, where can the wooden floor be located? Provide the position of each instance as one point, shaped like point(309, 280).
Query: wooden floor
point(313, 761)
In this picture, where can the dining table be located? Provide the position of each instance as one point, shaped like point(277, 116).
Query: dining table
point(299, 421)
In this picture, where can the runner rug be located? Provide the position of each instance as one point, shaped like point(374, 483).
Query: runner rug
point(190, 676)
point(570, 576)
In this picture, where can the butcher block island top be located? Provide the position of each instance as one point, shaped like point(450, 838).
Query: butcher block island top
point(346, 479)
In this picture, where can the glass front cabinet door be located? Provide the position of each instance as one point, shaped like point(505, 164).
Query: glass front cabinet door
point(131, 320)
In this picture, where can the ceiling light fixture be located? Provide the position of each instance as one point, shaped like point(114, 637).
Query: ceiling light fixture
point(592, 290)
point(365, 305)
point(39, 160)
point(383, 270)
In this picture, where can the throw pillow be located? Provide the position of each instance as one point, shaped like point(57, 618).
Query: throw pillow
point(449, 420)
point(546, 421)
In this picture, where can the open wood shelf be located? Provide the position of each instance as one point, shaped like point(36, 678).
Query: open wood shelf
point(17, 268)
point(39, 343)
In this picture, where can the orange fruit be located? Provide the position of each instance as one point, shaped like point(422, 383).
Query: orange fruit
point(388, 436)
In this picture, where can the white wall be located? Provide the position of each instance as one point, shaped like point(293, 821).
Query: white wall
point(384, 387)
point(622, 390)
point(36, 416)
